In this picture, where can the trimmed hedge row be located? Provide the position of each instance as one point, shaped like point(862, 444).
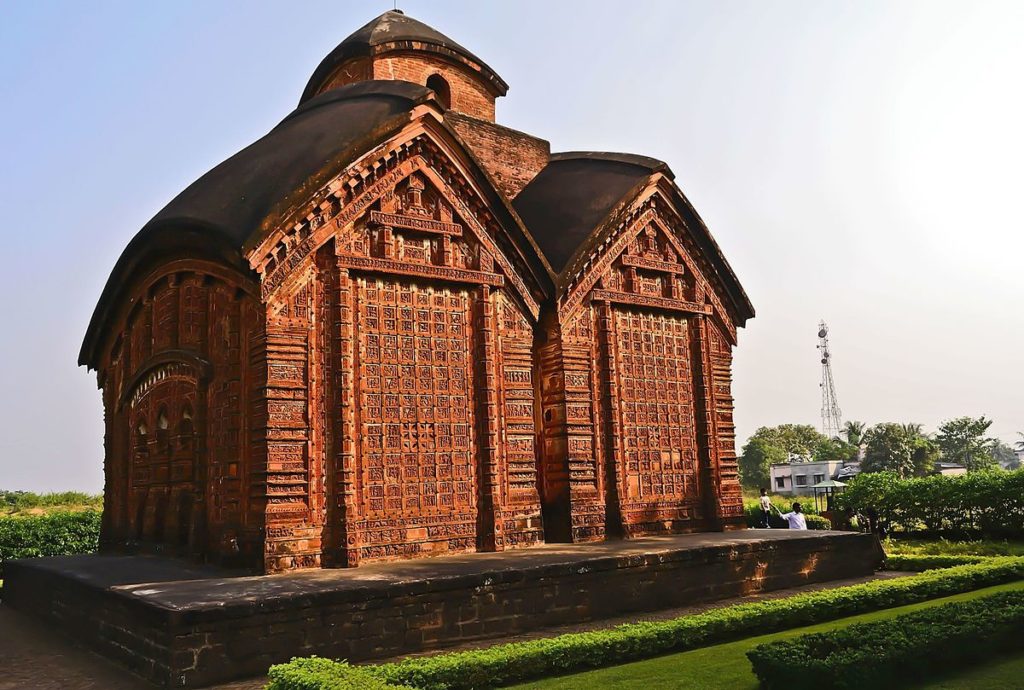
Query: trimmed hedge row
point(891, 653)
point(920, 562)
point(989, 504)
point(55, 534)
point(521, 661)
point(315, 673)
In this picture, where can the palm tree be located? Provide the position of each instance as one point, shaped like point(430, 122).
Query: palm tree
point(854, 432)
point(1019, 445)
point(913, 429)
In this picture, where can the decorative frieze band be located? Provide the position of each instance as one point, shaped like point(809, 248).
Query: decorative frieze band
point(456, 275)
point(395, 220)
point(652, 264)
point(650, 301)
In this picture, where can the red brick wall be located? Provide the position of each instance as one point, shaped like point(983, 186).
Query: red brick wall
point(175, 384)
point(511, 157)
point(468, 93)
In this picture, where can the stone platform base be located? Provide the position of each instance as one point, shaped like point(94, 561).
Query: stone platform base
point(185, 626)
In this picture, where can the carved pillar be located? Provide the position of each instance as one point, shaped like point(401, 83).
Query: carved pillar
point(574, 507)
point(345, 472)
point(553, 449)
point(729, 495)
point(489, 528)
point(520, 511)
point(611, 427)
point(289, 540)
point(704, 414)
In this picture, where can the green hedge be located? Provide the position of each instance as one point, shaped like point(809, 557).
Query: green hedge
point(55, 534)
point(920, 562)
point(314, 673)
point(521, 661)
point(986, 504)
point(894, 652)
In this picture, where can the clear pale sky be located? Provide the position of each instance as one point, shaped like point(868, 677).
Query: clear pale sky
point(859, 162)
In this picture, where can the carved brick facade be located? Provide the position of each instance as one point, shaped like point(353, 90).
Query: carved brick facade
point(395, 353)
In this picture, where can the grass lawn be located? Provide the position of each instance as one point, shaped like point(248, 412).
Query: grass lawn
point(726, 665)
point(998, 675)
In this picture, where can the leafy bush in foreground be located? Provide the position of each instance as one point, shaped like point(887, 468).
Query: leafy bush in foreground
point(315, 673)
point(891, 653)
point(55, 534)
point(521, 661)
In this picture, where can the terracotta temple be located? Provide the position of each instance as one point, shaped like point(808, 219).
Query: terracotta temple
point(393, 328)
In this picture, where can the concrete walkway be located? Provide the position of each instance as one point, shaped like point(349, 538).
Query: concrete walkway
point(35, 657)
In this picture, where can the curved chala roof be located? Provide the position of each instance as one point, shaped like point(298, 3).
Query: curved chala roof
point(232, 207)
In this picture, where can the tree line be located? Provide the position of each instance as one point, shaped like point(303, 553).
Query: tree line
point(906, 450)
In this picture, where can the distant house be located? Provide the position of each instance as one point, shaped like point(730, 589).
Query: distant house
point(796, 476)
point(948, 469)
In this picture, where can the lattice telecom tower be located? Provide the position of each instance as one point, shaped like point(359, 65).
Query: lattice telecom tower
point(831, 415)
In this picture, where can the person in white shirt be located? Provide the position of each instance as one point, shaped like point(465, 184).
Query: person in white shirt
point(766, 509)
point(795, 519)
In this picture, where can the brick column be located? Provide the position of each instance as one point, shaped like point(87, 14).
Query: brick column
point(611, 426)
point(489, 529)
point(345, 471)
point(722, 501)
point(707, 458)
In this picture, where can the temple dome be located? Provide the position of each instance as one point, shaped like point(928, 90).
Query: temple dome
point(395, 33)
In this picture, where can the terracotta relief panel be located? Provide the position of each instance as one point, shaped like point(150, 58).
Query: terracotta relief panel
point(658, 482)
point(417, 479)
point(520, 511)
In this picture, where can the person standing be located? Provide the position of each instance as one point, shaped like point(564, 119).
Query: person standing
point(795, 518)
point(766, 509)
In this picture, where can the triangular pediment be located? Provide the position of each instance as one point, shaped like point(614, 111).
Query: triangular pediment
point(647, 260)
point(412, 209)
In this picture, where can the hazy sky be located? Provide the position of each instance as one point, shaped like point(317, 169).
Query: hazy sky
point(859, 162)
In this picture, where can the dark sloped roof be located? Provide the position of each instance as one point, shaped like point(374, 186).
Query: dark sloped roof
point(565, 202)
point(391, 31)
point(226, 209)
point(238, 194)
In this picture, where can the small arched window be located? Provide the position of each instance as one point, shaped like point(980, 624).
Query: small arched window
point(141, 438)
point(185, 428)
point(438, 85)
point(162, 425)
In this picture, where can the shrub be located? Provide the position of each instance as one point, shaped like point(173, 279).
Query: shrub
point(894, 652)
point(944, 547)
point(521, 661)
point(55, 534)
point(27, 500)
point(921, 562)
point(817, 522)
point(987, 504)
point(314, 673)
